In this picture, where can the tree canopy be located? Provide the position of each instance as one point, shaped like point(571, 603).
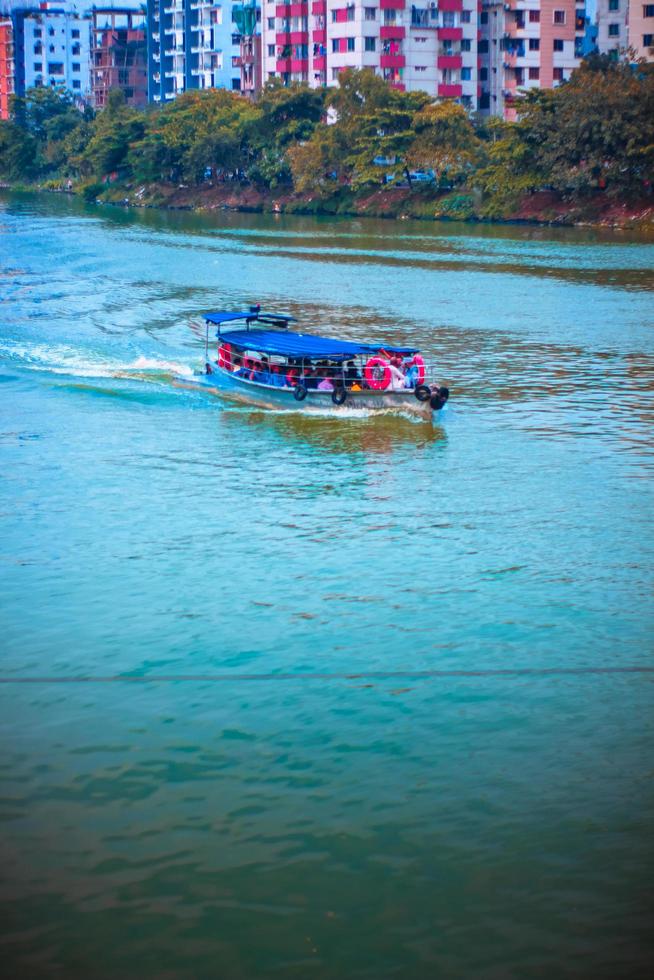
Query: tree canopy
point(594, 134)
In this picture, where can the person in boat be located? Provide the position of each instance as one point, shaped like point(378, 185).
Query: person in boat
point(309, 377)
point(398, 378)
point(352, 374)
point(412, 374)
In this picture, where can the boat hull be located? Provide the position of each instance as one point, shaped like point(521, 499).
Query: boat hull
point(267, 396)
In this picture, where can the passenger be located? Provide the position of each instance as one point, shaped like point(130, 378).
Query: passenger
point(325, 384)
point(398, 380)
point(237, 363)
point(309, 377)
point(352, 374)
point(412, 374)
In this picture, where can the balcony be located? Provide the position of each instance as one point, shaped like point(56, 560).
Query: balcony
point(400, 86)
point(392, 4)
point(392, 61)
point(453, 5)
point(320, 36)
point(319, 62)
point(291, 10)
point(319, 7)
point(450, 91)
point(449, 33)
point(449, 61)
point(391, 32)
point(299, 65)
point(283, 65)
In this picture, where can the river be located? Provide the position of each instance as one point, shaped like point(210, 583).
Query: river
point(356, 697)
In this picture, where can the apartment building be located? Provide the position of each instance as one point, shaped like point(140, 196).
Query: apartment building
point(626, 24)
point(527, 44)
point(6, 65)
point(118, 55)
point(192, 44)
point(427, 46)
point(247, 17)
point(51, 47)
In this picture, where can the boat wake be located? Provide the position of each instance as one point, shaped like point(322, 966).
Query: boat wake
point(71, 362)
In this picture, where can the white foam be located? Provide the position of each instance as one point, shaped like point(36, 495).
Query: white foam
point(61, 359)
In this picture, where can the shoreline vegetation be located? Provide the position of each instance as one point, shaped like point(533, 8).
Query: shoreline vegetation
point(580, 154)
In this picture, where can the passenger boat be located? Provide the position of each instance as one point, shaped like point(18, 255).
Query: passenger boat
point(261, 362)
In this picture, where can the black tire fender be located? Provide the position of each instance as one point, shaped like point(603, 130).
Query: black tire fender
point(339, 395)
point(422, 393)
point(300, 393)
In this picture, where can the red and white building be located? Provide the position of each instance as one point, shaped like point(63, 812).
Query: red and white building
point(6, 65)
point(527, 44)
point(429, 46)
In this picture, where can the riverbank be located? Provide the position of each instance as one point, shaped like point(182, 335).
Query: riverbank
point(418, 202)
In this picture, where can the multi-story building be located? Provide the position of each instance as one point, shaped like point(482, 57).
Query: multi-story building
point(191, 45)
point(246, 17)
point(428, 46)
point(641, 29)
point(51, 48)
point(118, 54)
point(6, 65)
point(626, 24)
point(527, 44)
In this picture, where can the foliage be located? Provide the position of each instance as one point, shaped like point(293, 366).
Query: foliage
point(592, 135)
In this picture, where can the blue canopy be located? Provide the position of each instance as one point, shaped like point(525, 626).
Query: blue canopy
point(224, 316)
point(289, 344)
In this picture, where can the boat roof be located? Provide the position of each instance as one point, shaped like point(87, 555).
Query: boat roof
point(289, 344)
point(226, 316)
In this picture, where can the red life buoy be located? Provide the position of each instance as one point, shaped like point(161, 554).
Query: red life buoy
point(371, 373)
point(225, 356)
point(420, 364)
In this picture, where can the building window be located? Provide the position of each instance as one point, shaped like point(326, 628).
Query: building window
point(271, 23)
point(484, 17)
point(534, 44)
point(466, 74)
point(559, 16)
point(465, 44)
point(271, 50)
point(557, 44)
point(648, 40)
point(75, 66)
point(236, 84)
point(336, 45)
point(534, 74)
point(370, 13)
point(55, 68)
point(334, 16)
point(77, 83)
point(350, 11)
point(465, 16)
point(37, 49)
point(350, 44)
point(38, 66)
point(482, 47)
point(51, 32)
point(534, 16)
point(648, 10)
point(74, 33)
point(614, 30)
point(557, 74)
point(369, 43)
point(334, 74)
point(37, 31)
point(483, 74)
point(614, 4)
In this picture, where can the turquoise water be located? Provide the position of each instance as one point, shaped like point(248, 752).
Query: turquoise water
point(298, 697)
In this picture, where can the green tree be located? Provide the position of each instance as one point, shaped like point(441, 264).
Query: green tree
point(445, 142)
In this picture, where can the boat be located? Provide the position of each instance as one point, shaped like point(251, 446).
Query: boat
point(261, 362)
